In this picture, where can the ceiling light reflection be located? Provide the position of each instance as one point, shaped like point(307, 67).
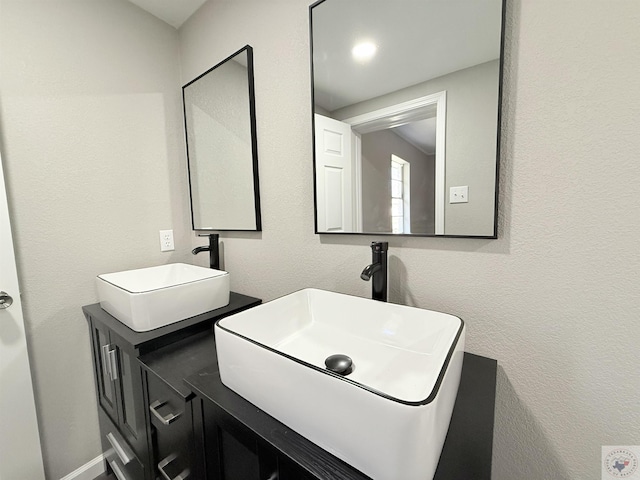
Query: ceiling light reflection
point(364, 51)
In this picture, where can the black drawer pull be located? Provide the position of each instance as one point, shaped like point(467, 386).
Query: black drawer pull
point(182, 476)
point(166, 420)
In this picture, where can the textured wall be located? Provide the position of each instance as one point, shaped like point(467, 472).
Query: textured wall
point(555, 298)
point(93, 152)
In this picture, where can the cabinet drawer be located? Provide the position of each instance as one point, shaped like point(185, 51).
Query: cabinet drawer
point(172, 436)
point(118, 453)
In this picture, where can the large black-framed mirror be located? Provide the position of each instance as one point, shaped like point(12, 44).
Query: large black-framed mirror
point(222, 155)
point(406, 115)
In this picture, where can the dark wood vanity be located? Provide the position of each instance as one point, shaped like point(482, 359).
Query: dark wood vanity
point(125, 391)
point(165, 414)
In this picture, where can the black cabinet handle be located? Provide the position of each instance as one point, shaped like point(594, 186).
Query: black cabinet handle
point(166, 420)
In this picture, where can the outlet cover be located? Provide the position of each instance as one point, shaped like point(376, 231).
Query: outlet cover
point(166, 241)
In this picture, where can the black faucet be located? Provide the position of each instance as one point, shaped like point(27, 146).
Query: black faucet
point(377, 270)
point(213, 249)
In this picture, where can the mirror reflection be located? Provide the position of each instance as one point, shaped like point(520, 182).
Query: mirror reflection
point(222, 157)
point(406, 114)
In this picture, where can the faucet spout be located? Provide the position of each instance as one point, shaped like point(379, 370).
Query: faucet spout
point(370, 270)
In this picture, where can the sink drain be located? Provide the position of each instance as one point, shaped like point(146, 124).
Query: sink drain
point(339, 363)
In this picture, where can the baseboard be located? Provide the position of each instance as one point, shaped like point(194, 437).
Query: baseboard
point(88, 471)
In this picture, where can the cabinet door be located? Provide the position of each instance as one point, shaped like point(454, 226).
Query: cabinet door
point(120, 458)
point(232, 451)
point(130, 397)
point(104, 365)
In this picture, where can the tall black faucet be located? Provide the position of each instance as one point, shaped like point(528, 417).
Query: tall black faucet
point(213, 249)
point(377, 270)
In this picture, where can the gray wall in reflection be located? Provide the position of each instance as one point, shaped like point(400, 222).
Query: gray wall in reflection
point(472, 96)
point(377, 148)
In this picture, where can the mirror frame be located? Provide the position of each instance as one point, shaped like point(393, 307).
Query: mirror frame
point(498, 141)
point(254, 142)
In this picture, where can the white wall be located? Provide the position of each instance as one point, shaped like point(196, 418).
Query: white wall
point(555, 298)
point(92, 145)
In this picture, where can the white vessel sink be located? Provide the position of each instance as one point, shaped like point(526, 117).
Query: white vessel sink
point(153, 297)
point(388, 417)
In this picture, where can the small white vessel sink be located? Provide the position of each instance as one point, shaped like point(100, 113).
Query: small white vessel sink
point(149, 298)
point(389, 416)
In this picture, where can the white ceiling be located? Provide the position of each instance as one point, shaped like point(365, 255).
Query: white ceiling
point(417, 40)
point(173, 12)
point(420, 134)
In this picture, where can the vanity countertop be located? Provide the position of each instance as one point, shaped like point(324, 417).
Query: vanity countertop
point(190, 368)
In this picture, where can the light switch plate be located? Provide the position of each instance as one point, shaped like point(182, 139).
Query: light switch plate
point(459, 194)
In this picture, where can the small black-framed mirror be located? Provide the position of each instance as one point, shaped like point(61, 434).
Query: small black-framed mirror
point(407, 98)
point(222, 154)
